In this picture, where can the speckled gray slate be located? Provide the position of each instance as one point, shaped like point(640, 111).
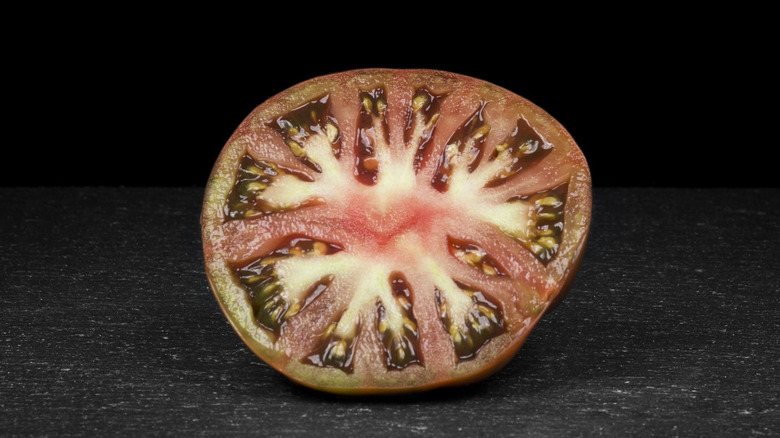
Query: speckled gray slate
point(108, 327)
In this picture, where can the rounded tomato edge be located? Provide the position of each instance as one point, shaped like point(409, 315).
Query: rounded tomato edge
point(479, 375)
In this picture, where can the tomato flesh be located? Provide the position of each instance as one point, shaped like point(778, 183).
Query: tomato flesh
point(393, 230)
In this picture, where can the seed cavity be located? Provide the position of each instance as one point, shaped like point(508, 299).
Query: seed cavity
point(422, 118)
point(245, 200)
point(372, 132)
point(298, 126)
point(397, 326)
point(483, 321)
point(464, 148)
point(474, 256)
point(270, 305)
point(523, 148)
point(334, 351)
point(545, 221)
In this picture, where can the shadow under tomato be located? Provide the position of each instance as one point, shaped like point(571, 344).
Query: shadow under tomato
point(430, 396)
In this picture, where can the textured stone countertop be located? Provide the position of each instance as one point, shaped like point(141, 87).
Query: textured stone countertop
point(108, 327)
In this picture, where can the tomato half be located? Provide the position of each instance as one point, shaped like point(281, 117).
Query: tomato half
point(379, 230)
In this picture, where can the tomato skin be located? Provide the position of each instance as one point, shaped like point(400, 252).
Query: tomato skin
point(360, 228)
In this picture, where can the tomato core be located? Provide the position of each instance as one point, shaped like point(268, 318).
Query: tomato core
point(382, 222)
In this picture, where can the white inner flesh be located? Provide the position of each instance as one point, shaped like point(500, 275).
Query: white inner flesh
point(396, 179)
point(458, 302)
point(299, 274)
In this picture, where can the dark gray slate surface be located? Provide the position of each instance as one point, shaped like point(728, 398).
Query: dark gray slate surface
point(108, 326)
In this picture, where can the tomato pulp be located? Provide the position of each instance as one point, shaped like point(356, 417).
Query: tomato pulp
point(380, 230)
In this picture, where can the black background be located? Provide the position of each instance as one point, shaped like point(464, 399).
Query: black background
point(665, 102)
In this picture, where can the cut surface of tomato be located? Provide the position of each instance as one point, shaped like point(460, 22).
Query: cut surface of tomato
point(378, 231)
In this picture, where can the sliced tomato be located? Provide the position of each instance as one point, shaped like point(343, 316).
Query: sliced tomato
point(393, 230)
